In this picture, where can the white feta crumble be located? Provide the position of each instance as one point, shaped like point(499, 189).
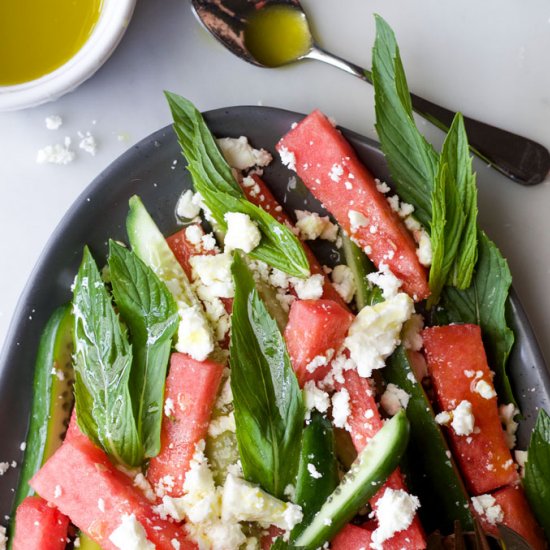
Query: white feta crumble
point(374, 334)
point(3, 538)
point(4, 467)
point(130, 535)
point(194, 334)
point(386, 281)
point(507, 413)
point(395, 512)
point(315, 398)
point(394, 399)
point(221, 424)
point(169, 407)
point(88, 144)
point(53, 122)
point(140, 481)
point(214, 272)
point(313, 472)
point(187, 207)
point(311, 226)
point(288, 158)
point(343, 280)
point(411, 336)
point(484, 389)
point(424, 250)
point(443, 418)
point(521, 458)
point(56, 154)
point(242, 232)
point(23, 445)
point(357, 220)
point(310, 288)
point(486, 506)
point(463, 421)
point(240, 155)
point(382, 186)
point(336, 172)
point(194, 234)
point(341, 408)
point(320, 360)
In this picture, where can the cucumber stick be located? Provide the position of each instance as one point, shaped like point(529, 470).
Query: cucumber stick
point(369, 471)
point(52, 398)
point(433, 474)
point(317, 471)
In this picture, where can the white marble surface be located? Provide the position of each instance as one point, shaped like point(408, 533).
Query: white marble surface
point(488, 59)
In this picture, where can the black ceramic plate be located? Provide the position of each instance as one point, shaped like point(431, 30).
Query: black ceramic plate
point(100, 212)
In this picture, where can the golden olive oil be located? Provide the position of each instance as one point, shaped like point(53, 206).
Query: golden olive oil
point(277, 34)
point(38, 36)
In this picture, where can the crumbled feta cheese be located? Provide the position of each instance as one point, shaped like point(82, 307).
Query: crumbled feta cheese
point(311, 226)
point(244, 501)
point(310, 288)
point(463, 420)
point(279, 279)
point(88, 144)
point(140, 481)
point(214, 272)
point(341, 408)
point(221, 424)
point(194, 234)
point(23, 445)
point(394, 399)
point(288, 158)
point(240, 155)
point(486, 506)
point(374, 334)
point(507, 414)
point(521, 458)
point(395, 511)
point(315, 398)
point(343, 280)
point(411, 336)
point(339, 364)
point(4, 467)
point(357, 220)
point(55, 154)
point(209, 242)
point(443, 418)
point(424, 250)
point(386, 281)
point(53, 122)
point(485, 389)
point(194, 335)
point(3, 538)
point(130, 535)
point(320, 360)
point(382, 186)
point(313, 472)
point(169, 407)
point(242, 232)
point(186, 207)
point(336, 172)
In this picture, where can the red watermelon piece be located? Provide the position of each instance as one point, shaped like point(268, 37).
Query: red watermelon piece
point(517, 516)
point(314, 327)
point(352, 537)
point(455, 355)
point(82, 483)
point(183, 249)
point(329, 167)
point(192, 387)
point(364, 422)
point(38, 525)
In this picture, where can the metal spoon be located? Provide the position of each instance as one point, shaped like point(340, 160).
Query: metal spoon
point(521, 159)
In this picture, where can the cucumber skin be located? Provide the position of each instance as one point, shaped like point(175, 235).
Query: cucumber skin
point(318, 448)
point(41, 440)
point(398, 430)
point(437, 484)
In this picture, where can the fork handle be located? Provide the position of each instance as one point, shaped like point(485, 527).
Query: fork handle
point(520, 159)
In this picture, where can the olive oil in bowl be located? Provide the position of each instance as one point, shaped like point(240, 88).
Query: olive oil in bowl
point(38, 36)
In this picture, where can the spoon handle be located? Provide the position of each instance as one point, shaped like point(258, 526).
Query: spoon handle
point(520, 159)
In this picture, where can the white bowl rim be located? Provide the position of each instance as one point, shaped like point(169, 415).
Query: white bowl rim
point(111, 25)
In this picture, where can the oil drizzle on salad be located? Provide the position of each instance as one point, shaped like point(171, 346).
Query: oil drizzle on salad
point(37, 37)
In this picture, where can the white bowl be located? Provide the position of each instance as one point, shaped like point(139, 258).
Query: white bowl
point(108, 31)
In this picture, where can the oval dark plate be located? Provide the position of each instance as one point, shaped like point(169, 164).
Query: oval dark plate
point(100, 212)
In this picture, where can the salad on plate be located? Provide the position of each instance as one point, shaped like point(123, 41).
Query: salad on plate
point(222, 388)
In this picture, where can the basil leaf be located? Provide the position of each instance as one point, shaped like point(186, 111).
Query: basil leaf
point(150, 311)
point(537, 471)
point(484, 304)
point(103, 358)
point(213, 179)
point(412, 160)
point(269, 412)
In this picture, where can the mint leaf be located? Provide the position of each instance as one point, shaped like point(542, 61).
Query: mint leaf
point(484, 304)
point(412, 160)
point(537, 471)
point(147, 307)
point(213, 179)
point(269, 412)
point(103, 358)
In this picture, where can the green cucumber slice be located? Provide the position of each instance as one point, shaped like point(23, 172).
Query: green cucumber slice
point(369, 471)
point(317, 471)
point(52, 399)
point(86, 543)
point(433, 475)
